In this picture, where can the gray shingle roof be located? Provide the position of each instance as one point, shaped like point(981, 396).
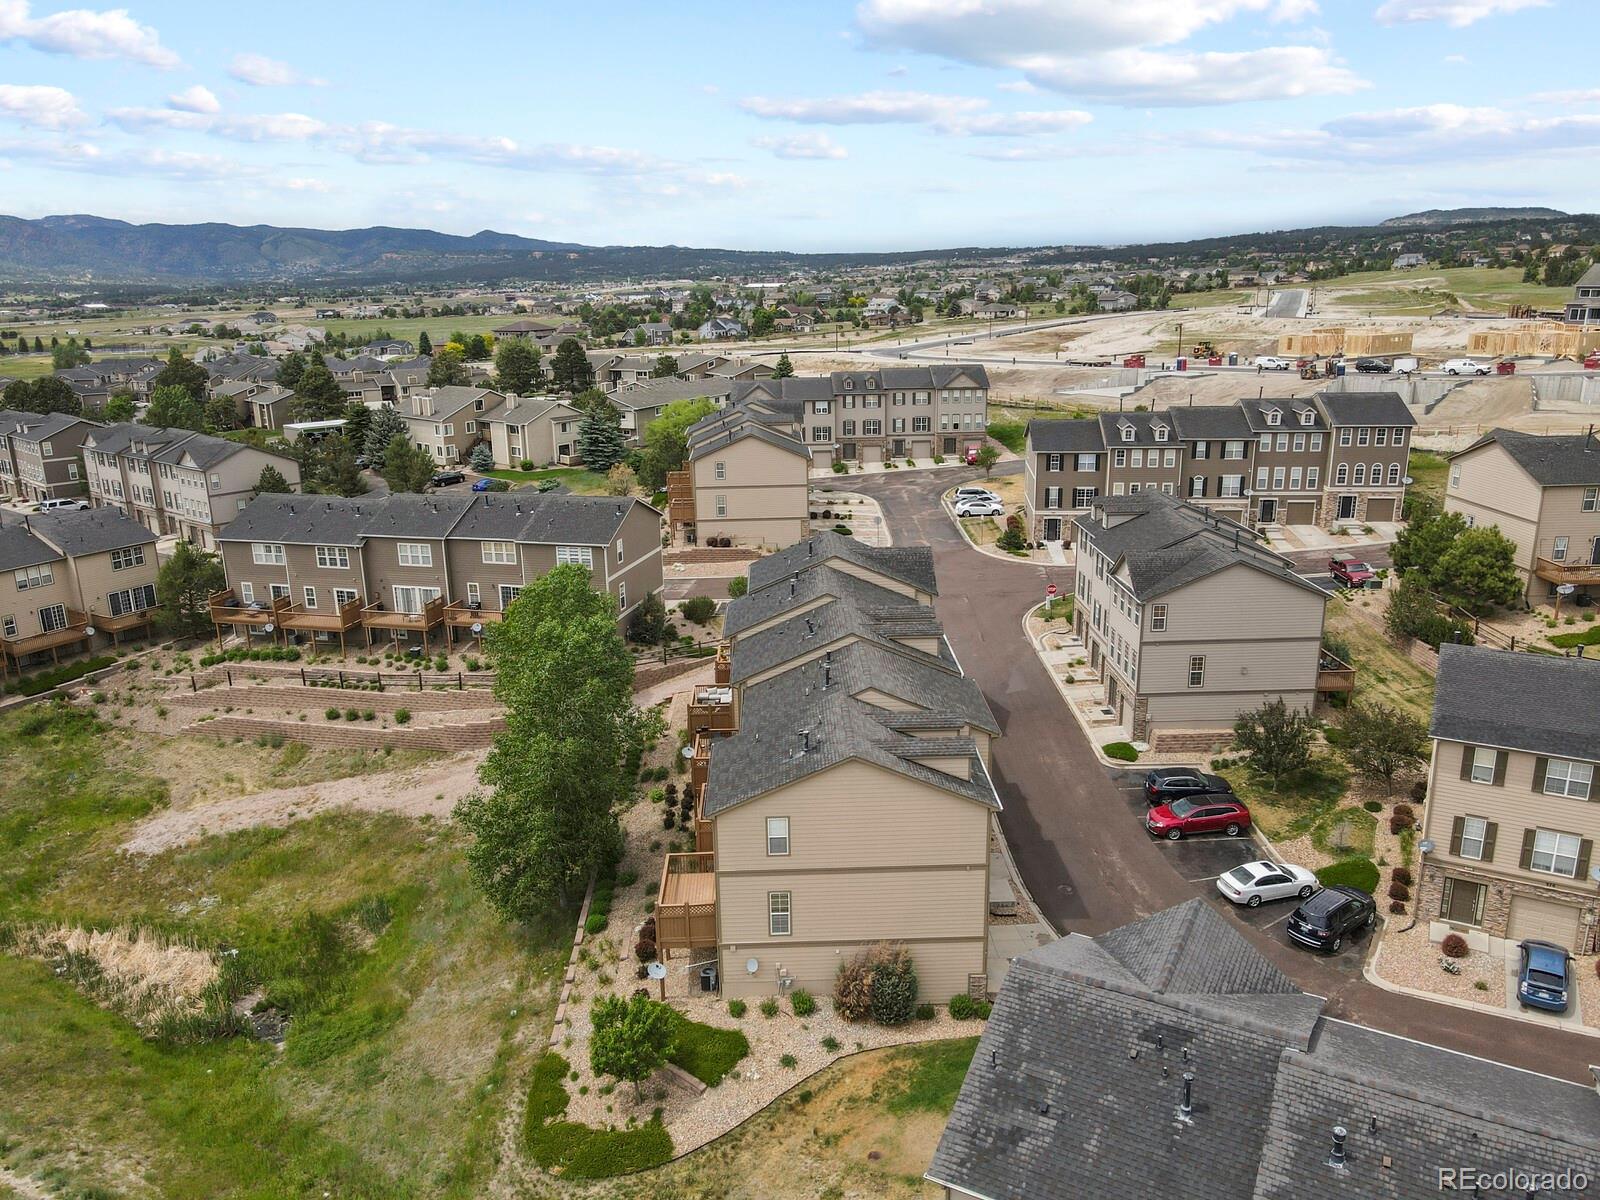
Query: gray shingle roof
point(19, 548)
point(724, 428)
point(448, 401)
point(301, 520)
point(1143, 424)
point(656, 393)
point(807, 588)
point(1210, 421)
point(204, 450)
point(829, 624)
point(1290, 420)
point(1075, 1090)
point(1553, 460)
point(1168, 543)
point(1534, 702)
point(909, 564)
point(1365, 408)
point(89, 530)
point(1066, 437)
point(121, 437)
point(42, 428)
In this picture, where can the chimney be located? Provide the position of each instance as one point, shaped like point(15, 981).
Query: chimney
point(794, 582)
point(1186, 1109)
point(1336, 1157)
point(805, 741)
point(511, 401)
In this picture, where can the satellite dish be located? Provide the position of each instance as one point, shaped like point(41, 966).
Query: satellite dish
point(1594, 874)
point(477, 627)
point(89, 630)
point(1426, 845)
point(752, 965)
point(1408, 481)
point(268, 627)
point(656, 970)
point(687, 752)
point(1566, 589)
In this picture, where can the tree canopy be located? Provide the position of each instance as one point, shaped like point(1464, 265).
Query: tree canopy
point(184, 586)
point(406, 467)
point(387, 424)
point(570, 370)
point(600, 441)
point(271, 480)
point(1277, 737)
point(666, 442)
point(1381, 741)
point(181, 372)
point(173, 407)
point(630, 1038)
point(518, 366)
point(449, 367)
point(317, 394)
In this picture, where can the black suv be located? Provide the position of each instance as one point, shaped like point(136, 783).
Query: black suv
point(1325, 920)
point(1371, 366)
point(1166, 784)
point(446, 478)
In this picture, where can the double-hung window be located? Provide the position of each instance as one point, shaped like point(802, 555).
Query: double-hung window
point(1554, 853)
point(1564, 778)
point(503, 553)
point(582, 555)
point(333, 556)
point(1474, 832)
point(1053, 462)
point(779, 914)
point(777, 835)
point(415, 554)
point(1484, 759)
point(267, 554)
point(130, 556)
point(1197, 670)
point(1158, 618)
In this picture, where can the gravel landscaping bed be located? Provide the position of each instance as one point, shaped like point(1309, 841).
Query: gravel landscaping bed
point(1411, 960)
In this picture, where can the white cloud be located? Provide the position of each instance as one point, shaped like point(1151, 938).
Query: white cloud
point(253, 127)
point(41, 106)
point(1018, 85)
point(1457, 60)
point(260, 71)
point(1569, 96)
point(82, 33)
point(961, 116)
point(197, 99)
point(900, 70)
point(1456, 13)
point(802, 145)
point(1113, 52)
point(304, 184)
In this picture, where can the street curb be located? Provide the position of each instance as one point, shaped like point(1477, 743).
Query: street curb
point(1072, 710)
point(1369, 971)
point(949, 511)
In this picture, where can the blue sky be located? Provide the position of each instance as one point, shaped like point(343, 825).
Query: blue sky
point(878, 124)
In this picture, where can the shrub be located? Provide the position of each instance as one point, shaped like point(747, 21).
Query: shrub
point(1359, 873)
point(56, 676)
point(706, 1052)
point(368, 715)
point(698, 609)
point(332, 714)
point(1398, 907)
point(803, 1003)
point(644, 949)
point(894, 989)
point(1121, 751)
point(1406, 811)
point(769, 1007)
point(831, 1043)
point(352, 714)
point(1419, 791)
point(1453, 946)
point(595, 924)
point(964, 1008)
point(737, 1008)
point(924, 1011)
point(1399, 824)
point(1373, 806)
point(402, 715)
point(1399, 891)
point(1402, 875)
point(738, 586)
point(789, 1061)
point(840, 468)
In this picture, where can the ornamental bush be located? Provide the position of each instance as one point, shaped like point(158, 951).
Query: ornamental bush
point(1454, 946)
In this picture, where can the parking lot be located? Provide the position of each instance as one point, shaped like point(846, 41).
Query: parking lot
point(1198, 860)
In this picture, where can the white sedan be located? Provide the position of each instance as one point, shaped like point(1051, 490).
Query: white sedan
point(1464, 366)
point(1254, 882)
point(979, 507)
point(1270, 362)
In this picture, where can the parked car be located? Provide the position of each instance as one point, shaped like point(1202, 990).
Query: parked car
point(1544, 979)
point(1372, 366)
point(1168, 783)
point(1253, 882)
point(977, 507)
point(1271, 362)
point(61, 505)
point(971, 491)
point(1350, 572)
point(446, 478)
point(1331, 915)
point(1197, 814)
point(482, 485)
point(1464, 366)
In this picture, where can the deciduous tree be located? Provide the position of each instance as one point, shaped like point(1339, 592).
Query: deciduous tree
point(173, 407)
point(570, 370)
point(449, 367)
point(120, 407)
point(518, 366)
point(987, 457)
point(1277, 737)
point(1381, 741)
point(181, 372)
point(184, 586)
point(317, 395)
point(630, 1038)
point(666, 440)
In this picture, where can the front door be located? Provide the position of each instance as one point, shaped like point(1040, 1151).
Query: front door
point(899, 448)
point(950, 447)
point(1052, 529)
point(1347, 508)
point(1594, 552)
point(1269, 510)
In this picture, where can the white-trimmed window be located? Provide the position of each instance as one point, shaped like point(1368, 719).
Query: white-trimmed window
point(504, 553)
point(415, 554)
point(777, 835)
point(474, 595)
point(8, 625)
point(1316, 442)
point(780, 914)
point(1474, 831)
point(720, 470)
point(1361, 474)
point(1565, 778)
point(582, 555)
point(1362, 435)
point(1483, 763)
point(508, 594)
point(334, 557)
point(343, 596)
point(1380, 436)
point(267, 554)
point(247, 592)
point(1555, 853)
point(1158, 618)
point(34, 577)
point(1341, 474)
point(1197, 670)
point(1089, 462)
point(1053, 462)
point(1394, 474)
point(1161, 433)
point(721, 506)
point(1345, 435)
point(1558, 550)
point(1272, 415)
point(619, 549)
point(622, 595)
point(311, 597)
point(1591, 499)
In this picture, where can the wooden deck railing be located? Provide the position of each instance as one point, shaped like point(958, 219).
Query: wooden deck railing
point(1334, 674)
point(724, 665)
point(461, 615)
point(1566, 572)
point(686, 905)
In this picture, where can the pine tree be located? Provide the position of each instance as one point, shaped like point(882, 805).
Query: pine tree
point(600, 441)
point(571, 370)
point(481, 458)
point(318, 396)
point(518, 367)
point(785, 368)
point(424, 344)
point(407, 468)
point(387, 425)
point(271, 481)
point(290, 368)
point(340, 475)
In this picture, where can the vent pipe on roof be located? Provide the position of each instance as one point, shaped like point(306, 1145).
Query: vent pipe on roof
point(811, 627)
point(1336, 1157)
point(794, 582)
point(1186, 1109)
point(805, 741)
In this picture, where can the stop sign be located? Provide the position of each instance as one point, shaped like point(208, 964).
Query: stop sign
point(1051, 590)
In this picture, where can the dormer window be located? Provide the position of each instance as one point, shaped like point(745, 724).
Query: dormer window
point(1127, 433)
point(1273, 415)
point(1161, 433)
point(849, 385)
point(1307, 416)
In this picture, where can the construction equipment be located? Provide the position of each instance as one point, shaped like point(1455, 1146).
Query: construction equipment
point(1133, 360)
point(1203, 350)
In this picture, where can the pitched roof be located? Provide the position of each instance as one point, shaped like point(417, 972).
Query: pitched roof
point(800, 590)
point(124, 435)
point(20, 548)
point(1080, 436)
point(41, 428)
point(911, 565)
point(1210, 421)
point(1365, 408)
point(829, 623)
point(1167, 543)
point(655, 393)
point(1076, 1088)
point(1291, 409)
point(1143, 424)
point(447, 401)
point(205, 450)
point(1552, 460)
point(89, 530)
point(301, 520)
point(1539, 703)
point(724, 428)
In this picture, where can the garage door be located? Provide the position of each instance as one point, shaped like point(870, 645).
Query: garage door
point(1543, 919)
point(1300, 512)
point(1380, 510)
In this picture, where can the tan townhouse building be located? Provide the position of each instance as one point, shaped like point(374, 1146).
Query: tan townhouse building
point(895, 412)
point(447, 422)
point(1542, 492)
point(43, 455)
point(70, 580)
point(848, 787)
point(639, 403)
point(1338, 458)
point(746, 478)
point(176, 482)
point(1188, 620)
point(1511, 818)
point(422, 568)
point(536, 429)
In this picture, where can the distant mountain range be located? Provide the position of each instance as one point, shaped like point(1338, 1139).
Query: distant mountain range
point(1435, 217)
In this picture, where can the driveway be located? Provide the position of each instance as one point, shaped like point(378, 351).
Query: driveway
point(1291, 302)
point(1087, 861)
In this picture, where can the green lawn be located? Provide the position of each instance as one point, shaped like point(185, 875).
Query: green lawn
point(1483, 287)
point(585, 483)
point(1565, 641)
point(438, 329)
point(1299, 802)
point(1220, 298)
point(1428, 473)
point(406, 995)
point(706, 1052)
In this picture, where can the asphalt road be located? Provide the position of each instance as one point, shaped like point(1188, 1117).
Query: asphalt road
point(1291, 302)
point(1074, 828)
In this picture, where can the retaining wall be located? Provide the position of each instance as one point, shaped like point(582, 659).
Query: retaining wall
point(319, 698)
point(467, 735)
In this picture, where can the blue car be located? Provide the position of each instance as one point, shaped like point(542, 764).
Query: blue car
point(1545, 978)
point(481, 485)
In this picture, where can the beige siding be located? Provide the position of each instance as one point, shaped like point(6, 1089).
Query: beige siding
point(763, 493)
point(1494, 490)
point(95, 579)
point(24, 605)
point(942, 966)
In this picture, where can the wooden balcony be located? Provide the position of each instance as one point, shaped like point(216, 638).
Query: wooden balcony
point(686, 906)
point(704, 839)
point(711, 710)
point(1334, 675)
point(104, 622)
point(340, 619)
point(74, 631)
point(1578, 574)
point(700, 761)
point(460, 615)
point(724, 664)
point(680, 498)
point(227, 610)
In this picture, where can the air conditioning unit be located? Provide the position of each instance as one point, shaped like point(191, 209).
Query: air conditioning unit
point(785, 982)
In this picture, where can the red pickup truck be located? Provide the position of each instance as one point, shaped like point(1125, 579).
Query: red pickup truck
point(1350, 572)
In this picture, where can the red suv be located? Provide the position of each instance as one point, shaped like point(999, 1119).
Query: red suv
point(1197, 814)
point(1350, 572)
